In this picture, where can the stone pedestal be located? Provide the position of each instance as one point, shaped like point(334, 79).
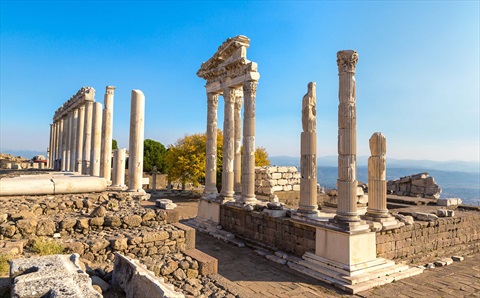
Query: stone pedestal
point(96, 139)
point(135, 161)
point(211, 162)
point(107, 135)
point(118, 177)
point(209, 210)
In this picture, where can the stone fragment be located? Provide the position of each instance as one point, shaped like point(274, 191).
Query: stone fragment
point(275, 205)
point(45, 227)
point(165, 204)
point(440, 263)
point(425, 216)
point(98, 245)
point(133, 221)
point(458, 258)
point(82, 223)
point(96, 221)
point(97, 281)
point(449, 202)
point(179, 274)
point(3, 217)
point(27, 226)
point(67, 223)
point(112, 221)
point(119, 244)
point(100, 211)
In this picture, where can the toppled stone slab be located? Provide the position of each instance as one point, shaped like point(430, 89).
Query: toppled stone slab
point(458, 258)
point(406, 219)
point(165, 204)
point(445, 213)
point(449, 202)
point(425, 216)
point(50, 276)
point(137, 281)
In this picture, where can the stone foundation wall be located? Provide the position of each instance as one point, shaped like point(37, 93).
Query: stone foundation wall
point(272, 178)
point(279, 232)
point(424, 241)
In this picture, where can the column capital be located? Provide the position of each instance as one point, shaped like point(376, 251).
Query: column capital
point(110, 89)
point(212, 99)
point(229, 95)
point(250, 87)
point(347, 61)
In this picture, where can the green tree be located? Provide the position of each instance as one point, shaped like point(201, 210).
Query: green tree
point(153, 155)
point(114, 144)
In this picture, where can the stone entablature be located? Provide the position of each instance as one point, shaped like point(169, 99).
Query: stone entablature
point(271, 179)
point(420, 185)
point(80, 98)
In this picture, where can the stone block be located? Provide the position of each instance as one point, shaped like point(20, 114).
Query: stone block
point(276, 176)
point(458, 258)
point(282, 169)
point(189, 235)
point(296, 187)
point(449, 202)
point(207, 264)
point(292, 169)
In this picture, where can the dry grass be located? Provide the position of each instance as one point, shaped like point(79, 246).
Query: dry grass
point(4, 265)
point(45, 246)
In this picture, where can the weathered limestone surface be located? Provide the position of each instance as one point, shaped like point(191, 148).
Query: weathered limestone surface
point(73, 141)
point(211, 162)
point(137, 281)
point(95, 151)
point(135, 161)
point(87, 138)
point(248, 158)
point(118, 180)
point(419, 185)
point(308, 153)
point(107, 134)
point(80, 134)
point(271, 179)
point(228, 144)
point(50, 276)
point(377, 173)
point(237, 166)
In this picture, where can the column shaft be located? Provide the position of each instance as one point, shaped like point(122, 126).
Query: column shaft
point(228, 144)
point(211, 162)
point(118, 177)
point(135, 160)
point(73, 141)
point(107, 134)
point(87, 138)
point(237, 166)
point(57, 145)
point(50, 148)
point(248, 158)
point(80, 137)
point(347, 138)
point(377, 183)
point(96, 139)
point(64, 144)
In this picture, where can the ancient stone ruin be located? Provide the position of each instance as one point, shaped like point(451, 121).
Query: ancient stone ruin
point(419, 185)
point(271, 179)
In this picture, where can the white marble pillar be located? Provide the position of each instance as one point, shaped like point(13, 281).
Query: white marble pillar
point(211, 162)
point(50, 144)
point(80, 137)
point(228, 144)
point(58, 142)
point(107, 135)
point(135, 160)
point(248, 158)
point(87, 138)
point(237, 166)
point(73, 141)
point(118, 177)
point(377, 175)
point(347, 138)
point(63, 163)
point(308, 156)
point(96, 139)
point(154, 180)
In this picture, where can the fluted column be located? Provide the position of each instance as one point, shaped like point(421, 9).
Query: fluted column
point(73, 140)
point(308, 155)
point(211, 162)
point(107, 134)
point(80, 137)
point(118, 177)
point(237, 165)
point(63, 165)
point(347, 138)
point(87, 138)
point(135, 160)
point(96, 139)
point(51, 144)
point(248, 158)
point(377, 175)
point(228, 144)
point(58, 143)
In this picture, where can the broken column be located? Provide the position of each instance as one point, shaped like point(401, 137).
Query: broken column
point(228, 144)
point(87, 138)
point(347, 138)
point(118, 177)
point(96, 139)
point(135, 161)
point(107, 134)
point(377, 174)
point(211, 162)
point(308, 158)
point(248, 158)
point(79, 144)
point(237, 166)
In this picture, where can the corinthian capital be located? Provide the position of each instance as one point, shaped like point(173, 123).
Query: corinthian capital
point(229, 95)
point(347, 61)
point(250, 87)
point(212, 99)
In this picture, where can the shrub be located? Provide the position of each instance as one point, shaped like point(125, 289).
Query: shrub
point(45, 246)
point(4, 265)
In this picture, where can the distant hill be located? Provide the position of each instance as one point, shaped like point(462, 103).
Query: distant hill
point(25, 153)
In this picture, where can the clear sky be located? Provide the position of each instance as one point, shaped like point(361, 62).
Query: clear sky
point(417, 75)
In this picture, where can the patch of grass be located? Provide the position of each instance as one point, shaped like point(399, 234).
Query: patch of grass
point(45, 246)
point(4, 265)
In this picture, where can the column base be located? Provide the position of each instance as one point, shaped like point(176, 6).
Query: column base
point(248, 200)
point(139, 194)
point(348, 224)
point(117, 187)
point(384, 222)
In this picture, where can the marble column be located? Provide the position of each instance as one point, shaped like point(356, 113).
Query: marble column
point(377, 175)
point(118, 177)
point(87, 138)
point(58, 144)
point(154, 180)
point(228, 144)
point(237, 165)
point(308, 155)
point(135, 160)
point(211, 162)
point(63, 164)
point(248, 158)
point(80, 136)
point(107, 135)
point(50, 148)
point(96, 139)
point(73, 141)
point(347, 138)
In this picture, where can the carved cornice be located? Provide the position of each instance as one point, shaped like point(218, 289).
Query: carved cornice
point(347, 61)
point(85, 94)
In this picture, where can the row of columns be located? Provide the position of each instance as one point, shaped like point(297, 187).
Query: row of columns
point(238, 174)
point(81, 135)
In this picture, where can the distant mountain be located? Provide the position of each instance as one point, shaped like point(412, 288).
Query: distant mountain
point(331, 161)
point(25, 153)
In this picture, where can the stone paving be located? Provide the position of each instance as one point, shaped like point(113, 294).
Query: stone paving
point(249, 275)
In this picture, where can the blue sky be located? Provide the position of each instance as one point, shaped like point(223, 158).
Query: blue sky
point(417, 75)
